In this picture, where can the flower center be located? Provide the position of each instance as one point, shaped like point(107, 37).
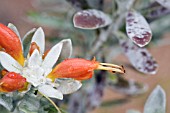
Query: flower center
point(34, 75)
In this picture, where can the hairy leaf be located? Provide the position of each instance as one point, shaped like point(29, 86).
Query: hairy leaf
point(26, 41)
point(140, 58)
point(91, 19)
point(138, 29)
point(156, 103)
point(6, 101)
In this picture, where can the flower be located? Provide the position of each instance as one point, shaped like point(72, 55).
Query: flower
point(36, 66)
point(81, 69)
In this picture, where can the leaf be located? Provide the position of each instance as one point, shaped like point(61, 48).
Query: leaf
point(133, 111)
point(140, 58)
point(91, 19)
point(6, 101)
point(126, 3)
point(69, 86)
point(138, 29)
point(30, 104)
point(156, 102)
point(164, 3)
point(26, 41)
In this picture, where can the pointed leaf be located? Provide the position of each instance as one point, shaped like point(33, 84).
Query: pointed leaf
point(138, 29)
point(91, 19)
point(13, 28)
point(164, 3)
point(9, 63)
point(140, 58)
point(156, 102)
point(26, 41)
point(69, 86)
point(51, 92)
point(39, 39)
point(66, 49)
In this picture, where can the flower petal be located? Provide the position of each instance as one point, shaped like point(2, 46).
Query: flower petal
point(9, 63)
point(11, 43)
point(69, 86)
point(52, 56)
point(39, 39)
point(35, 59)
point(49, 91)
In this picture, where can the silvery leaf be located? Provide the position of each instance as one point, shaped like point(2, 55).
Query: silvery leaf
point(156, 102)
point(30, 104)
point(6, 101)
point(91, 19)
point(69, 86)
point(164, 3)
point(140, 58)
point(26, 41)
point(138, 29)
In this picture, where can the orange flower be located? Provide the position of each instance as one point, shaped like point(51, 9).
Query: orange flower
point(10, 43)
point(12, 82)
point(81, 69)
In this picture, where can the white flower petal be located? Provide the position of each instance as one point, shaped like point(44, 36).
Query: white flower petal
point(9, 63)
point(39, 39)
point(49, 91)
point(69, 86)
point(52, 56)
point(35, 59)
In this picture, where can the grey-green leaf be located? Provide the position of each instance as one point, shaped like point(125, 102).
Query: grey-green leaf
point(26, 41)
point(6, 101)
point(156, 103)
point(30, 104)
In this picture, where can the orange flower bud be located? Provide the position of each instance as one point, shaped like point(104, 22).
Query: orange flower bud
point(33, 46)
point(81, 69)
point(12, 82)
point(11, 44)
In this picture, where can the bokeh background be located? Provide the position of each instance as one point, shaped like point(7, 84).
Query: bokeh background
point(16, 12)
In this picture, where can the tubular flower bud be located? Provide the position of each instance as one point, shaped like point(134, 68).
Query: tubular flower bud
point(12, 82)
point(81, 69)
point(11, 44)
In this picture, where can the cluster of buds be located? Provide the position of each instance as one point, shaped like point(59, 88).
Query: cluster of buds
point(37, 68)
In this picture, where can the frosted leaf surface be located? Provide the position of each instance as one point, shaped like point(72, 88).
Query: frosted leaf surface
point(137, 28)
point(140, 58)
point(91, 19)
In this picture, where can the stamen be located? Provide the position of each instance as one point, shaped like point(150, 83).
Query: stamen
point(111, 67)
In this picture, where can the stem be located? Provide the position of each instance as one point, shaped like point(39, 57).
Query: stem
point(51, 102)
